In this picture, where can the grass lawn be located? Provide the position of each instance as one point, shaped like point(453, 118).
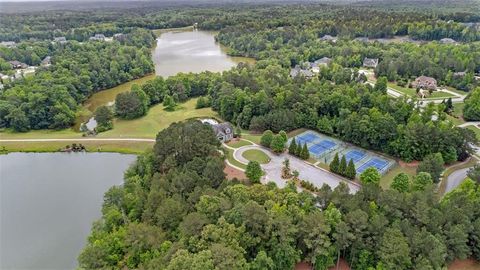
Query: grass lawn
point(256, 155)
point(457, 115)
point(407, 91)
point(440, 94)
point(251, 136)
point(387, 179)
point(145, 127)
point(476, 130)
point(92, 146)
point(157, 119)
point(238, 143)
point(158, 32)
point(413, 92)
point(233, 161)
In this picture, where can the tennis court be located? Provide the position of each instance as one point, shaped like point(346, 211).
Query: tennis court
point(324, 148)
point(377, 163)
point(355, 155)
point(319, 148)
point(307, 137)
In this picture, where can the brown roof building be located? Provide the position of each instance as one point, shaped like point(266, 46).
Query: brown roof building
point(424, 82)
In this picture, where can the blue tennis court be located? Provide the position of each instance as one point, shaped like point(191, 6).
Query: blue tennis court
point(307, 137)
point(327, 144)
point(377, 163)
point(355, 155)
point(317, 149)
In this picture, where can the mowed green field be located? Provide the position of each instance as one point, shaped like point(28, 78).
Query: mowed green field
point(256, 155)
point(144, 127)
point(157, 119)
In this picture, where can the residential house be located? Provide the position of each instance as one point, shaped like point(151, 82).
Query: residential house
point(47, 61)
point(324, 61)
point(370, 62)
point(448, 41)
point(362, 39)
point(223, 131)
point(98, 37)
point(17, 64)
point(119, 36)
point(328, 38)
point(298, 71)
point(61, 40)
point(8, 44)
point(460, 74)
point(424, 82)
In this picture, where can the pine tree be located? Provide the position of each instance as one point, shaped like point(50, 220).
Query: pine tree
point(305, 153)
point(298, 151)
point(342, 168)
point(351, 171)
point(292, 149)
point(335, 164)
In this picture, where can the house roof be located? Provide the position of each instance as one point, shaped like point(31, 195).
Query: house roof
point(447, 40)
point(225, 128)
point(323, 61)
point(370, 62)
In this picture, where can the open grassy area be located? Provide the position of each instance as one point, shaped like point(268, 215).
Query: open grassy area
point(145, 127)
point(440, 94)
point(413, 92)
point(407, 91)
point(126, 147)
point(476, 130)
point(387, 179)
point(251, 136)
point(238, 143)
point(256, 155)
point(157, 119)
point(158, 32)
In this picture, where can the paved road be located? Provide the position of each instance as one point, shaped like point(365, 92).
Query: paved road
point(472, 123)
point(455, 179)
point(307, 171)
point(79, 140)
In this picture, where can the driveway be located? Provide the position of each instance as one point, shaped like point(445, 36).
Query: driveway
point(308, 172)
point(455, 179)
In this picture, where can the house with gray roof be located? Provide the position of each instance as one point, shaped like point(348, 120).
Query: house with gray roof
point(17, 64)
point(328, 38)
point(47, 61)
point(370, 62)
point(8, 44)
point(299, 71)
point(448, 41)
point(223, 131)
point(60, 40)
point(98, 37)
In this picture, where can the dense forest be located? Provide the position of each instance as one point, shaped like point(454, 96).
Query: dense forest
point(176, 210)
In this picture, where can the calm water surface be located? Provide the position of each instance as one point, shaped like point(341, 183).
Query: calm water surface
point(48, 202)
point(191, 51)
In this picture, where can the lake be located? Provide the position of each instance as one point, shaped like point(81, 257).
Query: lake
point(191, 51)
point(176, 51)
point(48, 202)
